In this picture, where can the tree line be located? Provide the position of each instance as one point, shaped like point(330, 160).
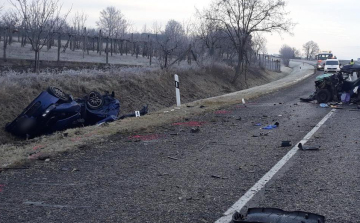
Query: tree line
point(310, 49)
point(227, 30)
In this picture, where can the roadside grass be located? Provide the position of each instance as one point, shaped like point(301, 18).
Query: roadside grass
point(133, 86)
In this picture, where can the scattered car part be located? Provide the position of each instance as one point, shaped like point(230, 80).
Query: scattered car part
point(269, 127)
point(303, 147)
point(286, 144)
point(324, 105)
point(272, 215)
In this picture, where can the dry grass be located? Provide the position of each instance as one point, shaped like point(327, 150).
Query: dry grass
point(133, 86)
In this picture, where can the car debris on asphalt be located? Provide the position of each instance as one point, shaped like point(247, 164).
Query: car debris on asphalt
point(303, 147)
point(323, 105)
point(276, 215)
point(195, 130)
point(286, 144)
point(269, 127)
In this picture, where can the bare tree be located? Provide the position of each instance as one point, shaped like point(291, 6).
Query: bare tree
point(112, 22)
point(40, 18)
point(310, 49)
point(287, 53)
point(297, 52)
point(240, 19)
point(259, 44)
point(79, 21)
point(209, 34)
point(170, 42)
point(9, 20)
point(156, 28)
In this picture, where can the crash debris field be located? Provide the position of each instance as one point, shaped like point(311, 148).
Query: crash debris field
point(134, 87)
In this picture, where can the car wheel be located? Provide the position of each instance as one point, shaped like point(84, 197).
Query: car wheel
point(323, 96)
point(57, 92)
point(94, 100)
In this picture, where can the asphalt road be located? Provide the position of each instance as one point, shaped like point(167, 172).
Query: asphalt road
point(176, 175)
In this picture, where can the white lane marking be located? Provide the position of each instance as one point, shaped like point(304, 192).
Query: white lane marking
point(240, 204)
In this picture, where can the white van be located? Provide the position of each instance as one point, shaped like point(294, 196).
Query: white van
point(332, 65)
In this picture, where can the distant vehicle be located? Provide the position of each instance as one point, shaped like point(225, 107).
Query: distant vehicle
point(321, 58)
point(332, 65)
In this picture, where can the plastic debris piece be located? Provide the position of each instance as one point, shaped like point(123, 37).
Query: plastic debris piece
point(286, 144)
point(323, 105)
point(269, 127)
point(258, 124)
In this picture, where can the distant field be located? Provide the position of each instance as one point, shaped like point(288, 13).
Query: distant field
point(15, 51)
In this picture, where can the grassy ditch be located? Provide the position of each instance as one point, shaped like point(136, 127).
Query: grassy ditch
point(133, 86)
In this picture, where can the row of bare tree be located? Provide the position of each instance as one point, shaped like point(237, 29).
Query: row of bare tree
point(311, 49)
point(228, 30)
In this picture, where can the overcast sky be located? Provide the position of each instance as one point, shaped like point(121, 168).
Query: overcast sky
point(333, 24)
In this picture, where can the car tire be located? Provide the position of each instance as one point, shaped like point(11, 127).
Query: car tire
point(94, 100)
point(323, 96)
point(60, 94)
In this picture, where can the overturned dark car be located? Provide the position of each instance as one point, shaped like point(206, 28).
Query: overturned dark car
point(54, 110)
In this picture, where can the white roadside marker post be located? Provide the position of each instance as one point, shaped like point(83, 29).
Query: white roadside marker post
point(137, 113)
point(178, 103)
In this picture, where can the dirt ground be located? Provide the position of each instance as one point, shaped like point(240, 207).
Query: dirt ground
point(134, 87)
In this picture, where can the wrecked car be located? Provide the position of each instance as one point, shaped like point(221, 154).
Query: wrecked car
point(54, 110)
point(336, 87)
